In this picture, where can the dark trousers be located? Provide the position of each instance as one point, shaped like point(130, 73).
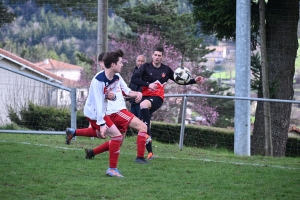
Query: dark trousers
point(135, 109)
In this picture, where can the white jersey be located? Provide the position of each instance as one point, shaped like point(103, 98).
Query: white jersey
point(117, 105)
point(96, 103)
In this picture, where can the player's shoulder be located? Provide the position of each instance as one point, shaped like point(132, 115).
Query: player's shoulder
point(118, 75)
point(100, 76)
point(145, 65)
point(163, 66)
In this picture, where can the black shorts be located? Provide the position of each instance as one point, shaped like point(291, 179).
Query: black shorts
point(156, 102)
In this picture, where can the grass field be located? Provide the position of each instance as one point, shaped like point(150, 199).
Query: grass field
point(224, 75)
point(43, 167)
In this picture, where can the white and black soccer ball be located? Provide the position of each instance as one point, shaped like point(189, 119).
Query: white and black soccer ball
point(182, 75)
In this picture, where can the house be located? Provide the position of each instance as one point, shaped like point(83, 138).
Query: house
point(223, 55)
point(67, 72)
point(62, 69)
point(294, 132)
point(17, 90)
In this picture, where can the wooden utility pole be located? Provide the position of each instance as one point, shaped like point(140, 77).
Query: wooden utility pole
point(102, 38)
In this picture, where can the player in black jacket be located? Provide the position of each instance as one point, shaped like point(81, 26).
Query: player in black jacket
point(152, 77)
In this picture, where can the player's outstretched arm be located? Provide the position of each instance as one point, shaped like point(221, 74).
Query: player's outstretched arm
point(199, 79)
point(196, 80)
point(137, 95)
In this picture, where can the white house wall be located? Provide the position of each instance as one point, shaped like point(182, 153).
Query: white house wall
point(69, 74)
point(17, 90)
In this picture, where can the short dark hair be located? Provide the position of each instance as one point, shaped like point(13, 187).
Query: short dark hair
point(112, 57)
point(100, 56)
point(159, 48)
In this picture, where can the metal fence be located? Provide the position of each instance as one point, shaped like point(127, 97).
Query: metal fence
point(26, 89)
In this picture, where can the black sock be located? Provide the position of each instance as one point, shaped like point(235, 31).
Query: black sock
point(149, 147)
point(145, 117)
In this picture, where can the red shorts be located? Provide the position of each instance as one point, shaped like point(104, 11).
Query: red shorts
point(122, 119)
point(95, 126)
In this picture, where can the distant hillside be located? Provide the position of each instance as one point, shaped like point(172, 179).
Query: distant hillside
point(40, 33)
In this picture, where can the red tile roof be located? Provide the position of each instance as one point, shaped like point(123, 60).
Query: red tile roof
point(17, 59)
point(50, 64)
point(293, 128)
point(29, 64)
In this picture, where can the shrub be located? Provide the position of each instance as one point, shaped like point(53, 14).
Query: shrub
point(35, 117)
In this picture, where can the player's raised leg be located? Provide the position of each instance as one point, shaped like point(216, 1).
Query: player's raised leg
point(86, 132)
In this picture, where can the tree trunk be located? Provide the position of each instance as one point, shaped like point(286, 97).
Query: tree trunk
point(265, 80)
point(282, 44)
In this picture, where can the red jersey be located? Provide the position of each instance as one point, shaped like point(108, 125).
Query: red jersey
point(160, 91)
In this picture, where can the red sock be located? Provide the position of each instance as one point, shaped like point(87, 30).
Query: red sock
point(87, 132)
point(141, 142)
point(114, 151)
point(102, 148)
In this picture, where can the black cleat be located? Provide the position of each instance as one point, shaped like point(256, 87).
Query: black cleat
point(89, 153)
point(70, 133)
point(141, 161)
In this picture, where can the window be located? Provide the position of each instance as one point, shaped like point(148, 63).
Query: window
point(81, 94)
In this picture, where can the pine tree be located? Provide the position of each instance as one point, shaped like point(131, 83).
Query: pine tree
point(6, 16)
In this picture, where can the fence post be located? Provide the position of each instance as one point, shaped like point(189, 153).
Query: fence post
point(182, 122)
point(73, 108)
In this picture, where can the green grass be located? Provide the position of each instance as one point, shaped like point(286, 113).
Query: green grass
point(252, 118)
point(43, 167)
point(224, 75)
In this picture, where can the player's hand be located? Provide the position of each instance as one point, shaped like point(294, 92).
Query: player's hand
point(138, 97)
point(152, 86)
point(199, 79)
point(110, 95)
point(101, 133)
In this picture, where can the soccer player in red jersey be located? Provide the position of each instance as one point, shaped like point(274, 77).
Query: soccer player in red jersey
point(152, 77)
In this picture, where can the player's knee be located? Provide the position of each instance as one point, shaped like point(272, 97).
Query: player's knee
point(145, 104)
point(143, 127)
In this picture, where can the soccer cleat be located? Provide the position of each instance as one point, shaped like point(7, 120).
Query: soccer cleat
point(89, 153)
point(114, 172)
point(141, 161)
point(150, 156)
point(70, 133)
point(148, 139)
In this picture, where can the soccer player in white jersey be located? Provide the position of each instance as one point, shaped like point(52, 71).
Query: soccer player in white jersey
point(103, 88)
point(121, 117)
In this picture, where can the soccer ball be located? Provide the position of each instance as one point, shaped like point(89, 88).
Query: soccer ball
point(182, 75)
